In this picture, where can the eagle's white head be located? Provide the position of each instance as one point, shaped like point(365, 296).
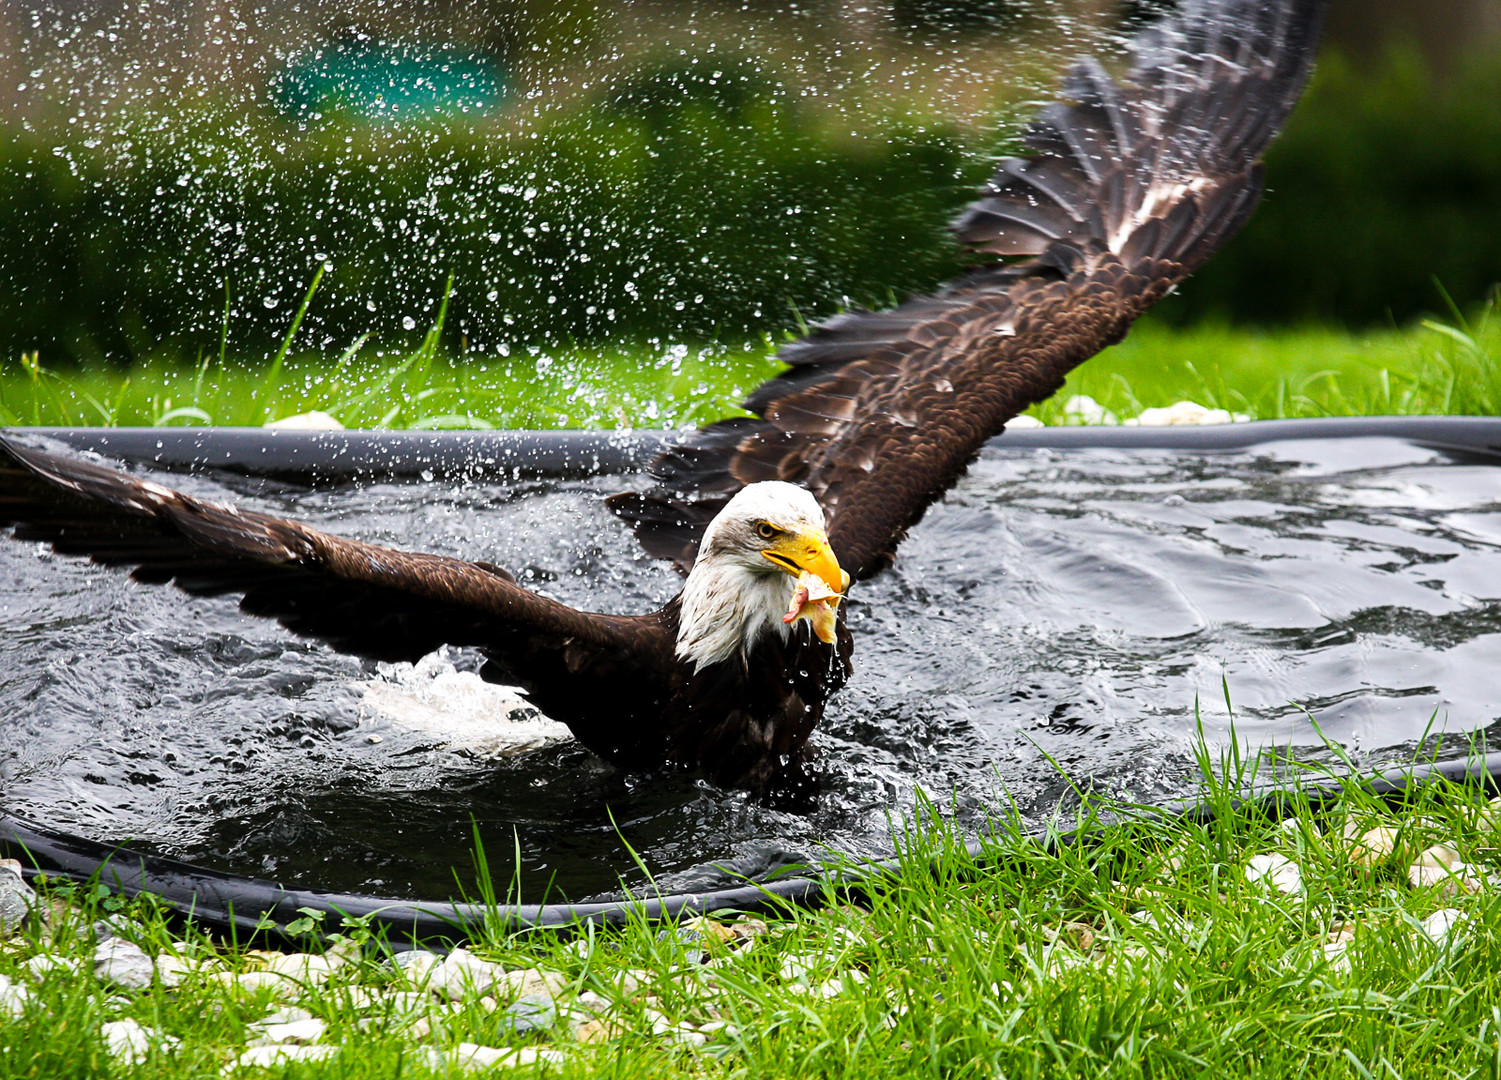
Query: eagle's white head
point(764, 563)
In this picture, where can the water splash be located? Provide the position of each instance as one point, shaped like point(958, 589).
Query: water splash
point(583, 170)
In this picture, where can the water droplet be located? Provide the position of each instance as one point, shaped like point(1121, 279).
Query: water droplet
point(409, 323)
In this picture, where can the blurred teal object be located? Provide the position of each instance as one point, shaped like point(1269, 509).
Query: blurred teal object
point(356, 75)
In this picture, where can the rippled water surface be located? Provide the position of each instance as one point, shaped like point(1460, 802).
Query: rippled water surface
point(1076, 605)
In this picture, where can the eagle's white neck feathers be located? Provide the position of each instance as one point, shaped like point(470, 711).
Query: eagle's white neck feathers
point(733, 594)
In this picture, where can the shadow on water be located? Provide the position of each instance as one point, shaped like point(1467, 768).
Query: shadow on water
point(1080, 606)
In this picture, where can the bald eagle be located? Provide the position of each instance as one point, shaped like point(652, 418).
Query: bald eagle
point(1128, 188)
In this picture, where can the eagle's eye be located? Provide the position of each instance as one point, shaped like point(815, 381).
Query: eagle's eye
point(766, 530)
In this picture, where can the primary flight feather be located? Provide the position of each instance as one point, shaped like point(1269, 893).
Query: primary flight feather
point(1128, 188)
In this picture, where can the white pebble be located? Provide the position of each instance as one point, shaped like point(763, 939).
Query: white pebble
point(1292, 827)
point(17, 898)
point(1060, 958)
point(294, 1031)
point(1441, 857)
point(1443, 926)
point(125, 964)
point(1369, 848)
point(403, 1003)
point(689, 1036)
point(131, 1042)
point(1341, 932)
point(798, 968)
point(633, 980)
point(250, 982)
point(1337, 953)
point(529, 981)
point(1083, 409)
point(463, 975)
point(1185, 413)
point(1420, 876)
point(473, 1056)
point(1490, 815)
point(304, 967)
point(13, 999)
point(289, 1015)
point(265, 1057)
point(1278, 871)
point(316, 420)
point(39, 966)
point(416, 966)
point(172, 970)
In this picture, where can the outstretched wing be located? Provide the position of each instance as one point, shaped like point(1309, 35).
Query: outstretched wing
point(361, 598)
point(1131, 187)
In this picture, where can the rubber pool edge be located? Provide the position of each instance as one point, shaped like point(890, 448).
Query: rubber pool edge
point(241, 906)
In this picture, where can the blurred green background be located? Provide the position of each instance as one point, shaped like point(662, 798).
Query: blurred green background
point(668, 172)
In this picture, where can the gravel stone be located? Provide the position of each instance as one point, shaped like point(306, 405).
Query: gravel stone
point(748, 928)
point(250, 982)
point(16, 897)
point(463, 975)
point(801, 968)
point(1278, 871)
point(295, 1031)
point(130, 1042)
point(13, 998)
point(689, 1037)
point(416, 966)
point(403, 1003)
point(586, 1007)
point(1337, 954)
point(1441, 857)
point(633, 980)
point(290, 1015)
point(103, 930)
point(420, 1029)
point(1490, 815)
point(529, 982)
point(172, 970)
point(534, 1012)
point(1444, 925)
point(303, 967)
point(1370, 848)
point(265, 1057)
point(125, 964)
point(1426, 877)
point(472, 1056)
point(600, 1030)
point(38, 966)
point(1292, 828)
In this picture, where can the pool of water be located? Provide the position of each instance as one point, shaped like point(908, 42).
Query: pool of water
point(1087, 608)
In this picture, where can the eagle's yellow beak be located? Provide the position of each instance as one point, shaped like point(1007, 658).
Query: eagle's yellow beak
point(808, 557)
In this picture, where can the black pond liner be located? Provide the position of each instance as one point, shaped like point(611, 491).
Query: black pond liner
point(240, 906)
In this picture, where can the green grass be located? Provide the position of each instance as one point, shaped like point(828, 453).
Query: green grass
point(1448, 366)
point(1145, 954)
point(1440, 367)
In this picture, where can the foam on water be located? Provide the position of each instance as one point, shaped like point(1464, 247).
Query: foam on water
point(1089, 607)
point(458, 709)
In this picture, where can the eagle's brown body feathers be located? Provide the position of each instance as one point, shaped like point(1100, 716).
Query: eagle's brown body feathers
point(1130, 188)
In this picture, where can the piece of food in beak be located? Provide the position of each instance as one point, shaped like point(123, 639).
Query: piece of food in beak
point(815, 601)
